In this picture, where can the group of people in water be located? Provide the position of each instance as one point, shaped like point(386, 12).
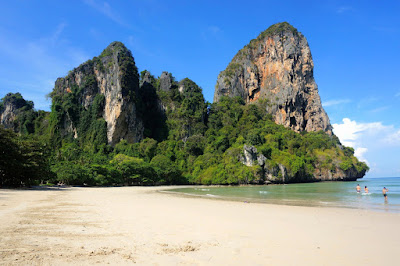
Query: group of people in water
point(384, 191)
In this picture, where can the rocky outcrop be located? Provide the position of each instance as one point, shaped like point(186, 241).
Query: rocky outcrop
point(153, 110)
point(166, 81)
point(337, 174)
point(273, 172)
point(252, 157)
point(113, 75)
point(277, 67)
point(10, 107)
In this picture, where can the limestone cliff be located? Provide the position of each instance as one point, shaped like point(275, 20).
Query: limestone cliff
point(277, 66)
point(153, 110)
point(273, 172)
point(110, 82)
point(12, 105)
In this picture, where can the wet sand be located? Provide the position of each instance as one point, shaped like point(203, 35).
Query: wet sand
point(138, 225)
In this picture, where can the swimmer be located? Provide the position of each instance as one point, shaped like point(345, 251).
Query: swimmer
point(358, 188)
point(384, 192)
point(366, 190)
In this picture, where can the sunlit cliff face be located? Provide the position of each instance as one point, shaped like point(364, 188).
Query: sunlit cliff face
point(277, 67)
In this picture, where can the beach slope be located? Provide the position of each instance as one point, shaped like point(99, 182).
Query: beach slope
point(127, 225)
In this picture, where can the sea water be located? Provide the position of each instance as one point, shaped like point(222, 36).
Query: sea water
point(326, 194)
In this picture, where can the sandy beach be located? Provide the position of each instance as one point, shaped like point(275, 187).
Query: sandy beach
point(139, 225)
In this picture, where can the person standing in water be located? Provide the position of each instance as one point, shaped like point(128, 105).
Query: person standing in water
point(366, 190)
point(384, 192)
point(358, 188)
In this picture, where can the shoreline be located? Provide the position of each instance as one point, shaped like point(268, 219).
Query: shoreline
point(128, 225)
point(382, 208)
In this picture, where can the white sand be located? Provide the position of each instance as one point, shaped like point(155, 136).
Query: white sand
point(139, 225)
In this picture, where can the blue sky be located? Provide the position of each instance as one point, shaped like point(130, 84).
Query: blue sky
point(355, 47)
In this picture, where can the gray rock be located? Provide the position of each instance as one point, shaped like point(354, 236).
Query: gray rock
point(165, 81)
point(250, 155)
point(147, 78)
point(13, 104)
point(8, 115)
point(276, 173)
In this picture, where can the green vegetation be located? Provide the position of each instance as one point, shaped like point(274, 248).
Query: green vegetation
point(27, 120)
point(191, 152)
point(277, 29)
point(185, 111)
point(186, 140)
point(23, 160)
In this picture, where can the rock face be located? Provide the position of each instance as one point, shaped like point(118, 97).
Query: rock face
point(278, 173)
point(165, 81)
point(277, 66)
point(11, 106)
point(114, 75)
point(153, 111)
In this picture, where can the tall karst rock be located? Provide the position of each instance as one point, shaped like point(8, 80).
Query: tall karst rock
point(277, 66)
point(11, 106)
point(98, 100)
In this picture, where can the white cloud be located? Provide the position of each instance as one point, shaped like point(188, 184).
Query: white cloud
point(211, 32)
point(343, 9)
point(393, 139)
point(350, 131)
point(106, 10)
point(335, 102)
point(369, 140)
point(397, 94)
point(359, 153)
point(379, 109)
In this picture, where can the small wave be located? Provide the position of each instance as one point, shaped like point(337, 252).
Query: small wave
point(325, 202)
point(211, 195)
point(263, 192)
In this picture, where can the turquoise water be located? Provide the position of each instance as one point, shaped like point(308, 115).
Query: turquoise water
point(327, 194)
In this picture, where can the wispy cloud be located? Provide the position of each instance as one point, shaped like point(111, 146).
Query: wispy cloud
point(211, 32)
point(366, 102)
point(57, 33)
point(384, 29)
point(394, 138)
point(137, 47)
point(96, 34)
point(335, 102)
point(343, 9)
point(106, 10)
point(43, 59)
point(379, 109)
point(214, 29)
point(397, 94)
